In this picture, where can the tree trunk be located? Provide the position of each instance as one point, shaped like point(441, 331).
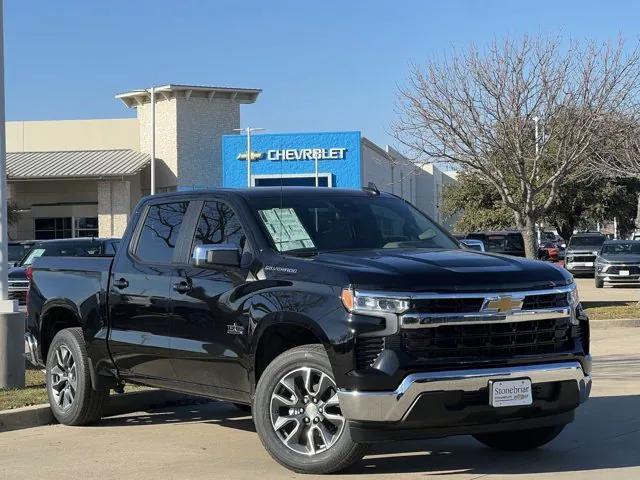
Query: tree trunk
point(530, 240)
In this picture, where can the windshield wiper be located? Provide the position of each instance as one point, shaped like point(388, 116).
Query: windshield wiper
point(302, 252)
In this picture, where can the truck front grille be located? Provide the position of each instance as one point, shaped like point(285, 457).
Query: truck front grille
point(474, 304)
point(489, 340)
point(582, 258)
point(367, 351)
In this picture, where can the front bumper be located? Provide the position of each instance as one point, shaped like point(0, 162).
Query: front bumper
point(396, 407)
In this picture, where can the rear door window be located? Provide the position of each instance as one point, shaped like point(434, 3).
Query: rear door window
point(160, 232)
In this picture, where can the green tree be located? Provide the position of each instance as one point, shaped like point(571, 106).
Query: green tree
point(580, 205)
point(475, 204)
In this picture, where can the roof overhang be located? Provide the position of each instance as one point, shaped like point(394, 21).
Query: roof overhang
point(136, 98)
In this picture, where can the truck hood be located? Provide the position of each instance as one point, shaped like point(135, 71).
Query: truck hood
point(443, 270)
point(17, 273)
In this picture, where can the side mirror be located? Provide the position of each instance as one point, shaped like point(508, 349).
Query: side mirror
point(221, 254)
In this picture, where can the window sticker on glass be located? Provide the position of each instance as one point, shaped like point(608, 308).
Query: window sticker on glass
point(286, 229)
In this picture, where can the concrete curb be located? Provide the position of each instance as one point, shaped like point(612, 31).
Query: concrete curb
point(614, 323)
point(38, 415)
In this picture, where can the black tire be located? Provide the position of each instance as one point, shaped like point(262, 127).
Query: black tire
point(599, 283)
point(339, 456)
point(520, 440)
point(242, 407)
point(87, 403)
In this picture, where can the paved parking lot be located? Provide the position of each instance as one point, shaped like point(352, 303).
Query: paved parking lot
point(616, 293)
point(215, 441)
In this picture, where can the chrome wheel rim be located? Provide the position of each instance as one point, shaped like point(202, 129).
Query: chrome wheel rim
point(305, 412)
point(63, 379)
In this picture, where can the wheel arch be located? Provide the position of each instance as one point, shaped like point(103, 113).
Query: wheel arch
point(278, 333)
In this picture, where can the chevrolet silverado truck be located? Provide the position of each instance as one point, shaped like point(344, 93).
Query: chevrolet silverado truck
point(340, 317)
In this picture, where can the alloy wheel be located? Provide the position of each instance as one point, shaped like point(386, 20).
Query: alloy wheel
point(63, 378)
point(305, 412)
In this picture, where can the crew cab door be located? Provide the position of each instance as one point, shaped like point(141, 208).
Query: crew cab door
point(208, 327)
point(140, 291)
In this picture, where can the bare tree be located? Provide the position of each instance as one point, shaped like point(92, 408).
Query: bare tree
point(478, 111)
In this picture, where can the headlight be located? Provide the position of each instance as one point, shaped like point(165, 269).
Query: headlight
point(601, 260)
point(372, 302)
point(573, 298)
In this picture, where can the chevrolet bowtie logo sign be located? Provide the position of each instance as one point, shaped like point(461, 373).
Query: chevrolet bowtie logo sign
point(502, 304)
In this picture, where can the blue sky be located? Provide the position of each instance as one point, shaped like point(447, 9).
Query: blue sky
point(323, 65)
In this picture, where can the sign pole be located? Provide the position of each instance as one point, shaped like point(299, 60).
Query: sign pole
point(11, 319)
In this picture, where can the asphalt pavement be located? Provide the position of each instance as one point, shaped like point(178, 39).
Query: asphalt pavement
point(610, 293)
point(216, 441)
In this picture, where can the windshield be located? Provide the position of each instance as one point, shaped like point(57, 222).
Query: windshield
point(61, 249)
point(592, 241)
point(316, 224)
point(17, 251)
point(499, 243)
point(627, 248)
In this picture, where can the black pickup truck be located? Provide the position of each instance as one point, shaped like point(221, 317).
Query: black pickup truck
point(341, 317)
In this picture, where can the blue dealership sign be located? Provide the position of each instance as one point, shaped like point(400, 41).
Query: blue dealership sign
point(292, 156)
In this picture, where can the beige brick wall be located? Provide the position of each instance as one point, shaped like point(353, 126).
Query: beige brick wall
point(114, 207)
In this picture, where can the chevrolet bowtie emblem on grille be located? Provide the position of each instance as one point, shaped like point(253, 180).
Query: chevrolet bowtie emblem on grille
point(502, 304)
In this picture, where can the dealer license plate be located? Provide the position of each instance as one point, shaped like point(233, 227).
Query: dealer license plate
point(510, 393)
point(623, 273)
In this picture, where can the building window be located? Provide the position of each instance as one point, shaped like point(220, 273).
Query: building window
point(86, 227)
point(52, 228)
point(65, 227)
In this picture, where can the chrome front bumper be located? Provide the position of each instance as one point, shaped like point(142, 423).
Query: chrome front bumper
point(392, 406)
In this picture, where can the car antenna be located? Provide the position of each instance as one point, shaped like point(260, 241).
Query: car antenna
point(371, 188)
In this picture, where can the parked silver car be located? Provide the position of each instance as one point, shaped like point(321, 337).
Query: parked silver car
point(618, 262)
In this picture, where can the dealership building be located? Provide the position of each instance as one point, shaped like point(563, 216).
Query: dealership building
point(72, 178)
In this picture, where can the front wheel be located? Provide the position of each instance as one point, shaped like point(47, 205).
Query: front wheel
point(297, 414)
point(72, 399)
point(520, 440)
point(599, 283)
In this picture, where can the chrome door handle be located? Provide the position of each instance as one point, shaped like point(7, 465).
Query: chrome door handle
point(121, 283)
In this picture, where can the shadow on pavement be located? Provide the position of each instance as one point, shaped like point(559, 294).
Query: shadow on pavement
point(605, 435)
point(213, 412)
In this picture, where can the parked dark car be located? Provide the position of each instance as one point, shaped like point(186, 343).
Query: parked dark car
point(17, 250)
point(581, 252)
point(341, 317)
point(73, 247)
point(618, 262)
point(504, 242)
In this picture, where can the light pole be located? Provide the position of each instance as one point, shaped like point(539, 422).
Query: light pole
point(11, 319)
point(248, 132)
point(152, 91)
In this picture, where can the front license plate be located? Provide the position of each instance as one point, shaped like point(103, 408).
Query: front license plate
point(510, 393)
point(624, 273)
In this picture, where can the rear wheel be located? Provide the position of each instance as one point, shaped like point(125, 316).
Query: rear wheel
point(297, 414)
point(72, 399)
point(520, 440)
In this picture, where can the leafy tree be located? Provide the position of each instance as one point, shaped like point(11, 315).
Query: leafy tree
point(580, 204)
point(475, 204)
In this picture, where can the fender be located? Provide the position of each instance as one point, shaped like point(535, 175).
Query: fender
point(281, 319)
